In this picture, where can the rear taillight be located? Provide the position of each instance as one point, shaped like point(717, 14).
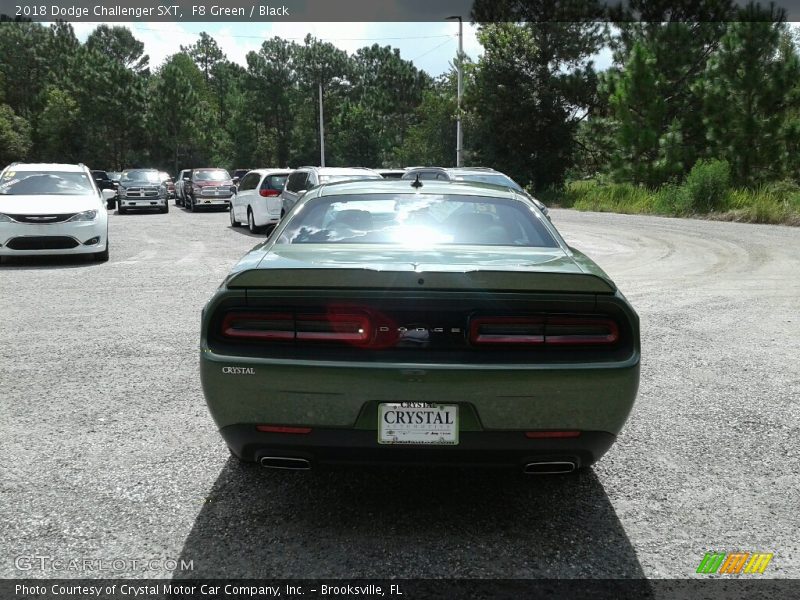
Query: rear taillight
point(335, 327)
point(258, 326)
point(269, 193)
point(338, 327)
point(283, 429)
point(543, 330)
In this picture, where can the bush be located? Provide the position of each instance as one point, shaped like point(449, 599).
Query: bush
point(671, 199)
point(707, 185)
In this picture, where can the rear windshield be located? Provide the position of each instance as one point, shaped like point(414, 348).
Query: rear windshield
point(274, 182)
point(417, 220)
point(45, 183)
point(140, 176)
point(212, 175)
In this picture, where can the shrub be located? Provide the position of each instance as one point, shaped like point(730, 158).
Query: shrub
point(707, 185)
point(671, 199)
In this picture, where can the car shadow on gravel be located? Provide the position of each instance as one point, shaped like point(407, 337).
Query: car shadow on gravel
point(47, 262)
point(407, 523)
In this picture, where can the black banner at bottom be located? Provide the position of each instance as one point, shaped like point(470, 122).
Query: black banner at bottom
point(395, 589)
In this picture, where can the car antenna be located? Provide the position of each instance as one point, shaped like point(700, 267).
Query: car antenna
point(417, 183)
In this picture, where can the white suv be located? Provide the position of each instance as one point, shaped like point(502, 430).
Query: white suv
point(52, 209)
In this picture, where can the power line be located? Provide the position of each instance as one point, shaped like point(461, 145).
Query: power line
point(431, 50)
point(326, 39)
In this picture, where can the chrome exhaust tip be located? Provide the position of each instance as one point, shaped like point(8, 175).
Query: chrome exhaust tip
point(284, 462)
point(549, 468)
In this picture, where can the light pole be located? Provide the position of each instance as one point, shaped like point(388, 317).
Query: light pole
point(321, 129)
point(459, 66)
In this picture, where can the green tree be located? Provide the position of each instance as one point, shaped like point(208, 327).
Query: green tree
point(533, 86)
point(431, 140)
point(271, 98)
point(118, 43)
point(749, 92)
point(60, 133)
point(174, 109)
point(206, 53)
point(15, 136)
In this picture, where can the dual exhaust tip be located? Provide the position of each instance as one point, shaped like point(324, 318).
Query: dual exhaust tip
point(532, 468)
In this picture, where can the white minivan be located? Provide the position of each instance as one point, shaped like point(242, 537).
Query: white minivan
point(52, 209)
point(258, 202)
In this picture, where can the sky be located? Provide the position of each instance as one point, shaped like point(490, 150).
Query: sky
point(430, 46)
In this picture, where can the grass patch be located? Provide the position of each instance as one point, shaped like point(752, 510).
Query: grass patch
point(777, 203)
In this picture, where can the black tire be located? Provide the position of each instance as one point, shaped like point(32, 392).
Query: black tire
point(111, 204)
point(121, 210)
point(192, 206)
point(101, 256)
point(166, 207)
point(234, 222)
point(178, 201)
point(251, 223)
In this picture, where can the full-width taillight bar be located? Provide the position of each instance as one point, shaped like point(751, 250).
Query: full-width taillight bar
point(539, 330)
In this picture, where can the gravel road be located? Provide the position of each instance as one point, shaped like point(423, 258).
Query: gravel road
point(107, 451)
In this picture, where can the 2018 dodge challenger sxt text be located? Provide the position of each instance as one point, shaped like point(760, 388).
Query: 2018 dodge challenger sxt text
point(419, 322)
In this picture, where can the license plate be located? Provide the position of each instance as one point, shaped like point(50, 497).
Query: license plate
point(418, 423)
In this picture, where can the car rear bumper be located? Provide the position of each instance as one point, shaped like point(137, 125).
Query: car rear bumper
point(511, 449)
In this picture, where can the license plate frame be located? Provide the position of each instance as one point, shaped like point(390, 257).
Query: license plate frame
point(431, 431)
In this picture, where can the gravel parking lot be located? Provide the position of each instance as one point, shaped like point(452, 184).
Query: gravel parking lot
point(107, 450)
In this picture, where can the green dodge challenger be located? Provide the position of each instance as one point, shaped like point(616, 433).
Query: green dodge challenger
point(419, 322)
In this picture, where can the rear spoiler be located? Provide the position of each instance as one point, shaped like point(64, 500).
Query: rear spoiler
point(479, 280)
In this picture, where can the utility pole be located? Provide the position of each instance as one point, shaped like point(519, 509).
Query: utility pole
point(321, 130)
point(459, 66)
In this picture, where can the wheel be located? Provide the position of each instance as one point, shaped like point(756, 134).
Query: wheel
point(111, 204)
point(234, 222)
point(165, 209)
point(121, 210)
point(192, 206)
point(101, 256)
point(178, 201)
point(251, 222)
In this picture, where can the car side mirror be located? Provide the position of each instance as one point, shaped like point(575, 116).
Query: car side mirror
point(235, 181)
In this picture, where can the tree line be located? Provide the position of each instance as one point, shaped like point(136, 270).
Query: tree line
point(682, 88)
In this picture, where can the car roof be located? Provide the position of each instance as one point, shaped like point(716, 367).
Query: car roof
point(340, 170)
point(269, 171)
point(403, 186)
point(64, 167)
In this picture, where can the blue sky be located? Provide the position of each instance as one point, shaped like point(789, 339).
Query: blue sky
point(430, 46)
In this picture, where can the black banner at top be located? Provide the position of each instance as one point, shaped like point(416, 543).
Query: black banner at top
point(275, 11)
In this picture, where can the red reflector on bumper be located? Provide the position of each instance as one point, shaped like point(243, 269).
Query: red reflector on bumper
point(282, 429)
point(535, 435)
